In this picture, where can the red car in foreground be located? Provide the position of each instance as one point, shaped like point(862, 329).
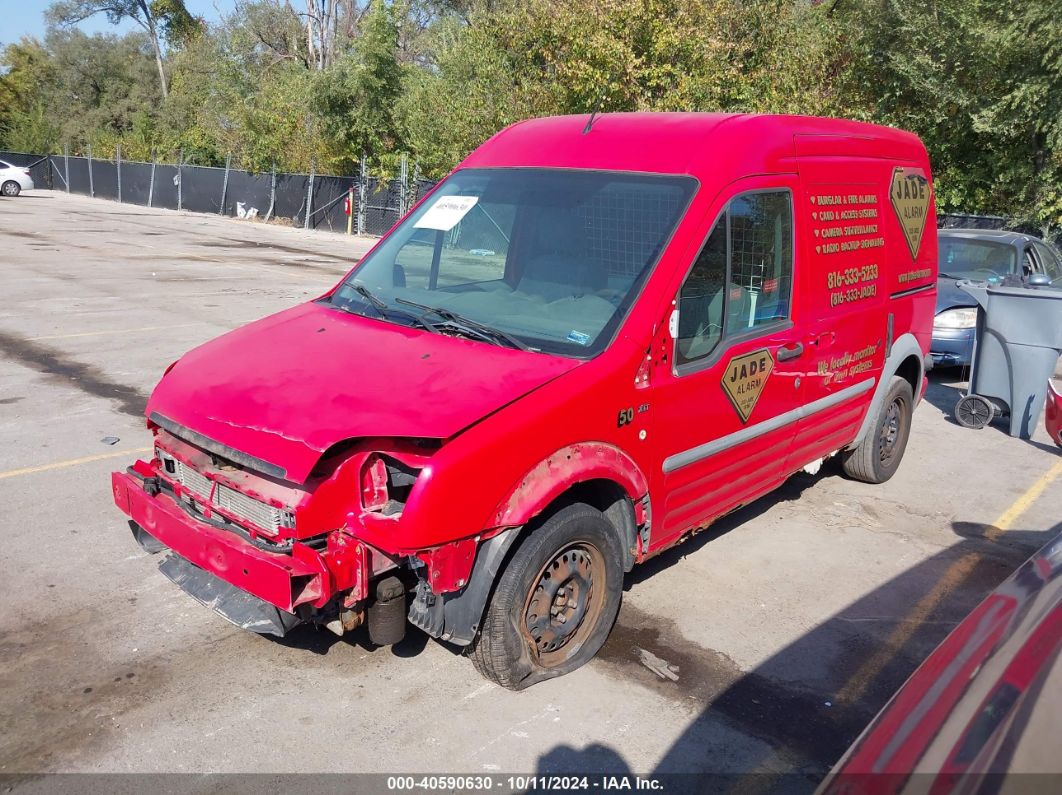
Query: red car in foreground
point(1053, 413)
point(591, 340)
point(985, 705)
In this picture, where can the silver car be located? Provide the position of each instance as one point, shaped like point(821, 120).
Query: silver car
point(14, 179)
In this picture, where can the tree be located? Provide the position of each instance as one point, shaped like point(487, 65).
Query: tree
point(158, 18)
point(1022, 112)
point(981, 83)
point(357, 97)
point(26, 78)
point(494, 66)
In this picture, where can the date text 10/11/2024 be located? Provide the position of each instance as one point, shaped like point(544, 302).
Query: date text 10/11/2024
point(522, 783)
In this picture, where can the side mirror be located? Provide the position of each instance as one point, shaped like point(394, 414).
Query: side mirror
point(1039, 280)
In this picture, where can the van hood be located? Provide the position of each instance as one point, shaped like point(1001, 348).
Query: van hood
point(286, 388)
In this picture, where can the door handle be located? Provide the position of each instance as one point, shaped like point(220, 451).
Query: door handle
point(788, 352)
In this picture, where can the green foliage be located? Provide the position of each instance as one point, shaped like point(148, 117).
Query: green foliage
point(25, 122)
point(355, 98)
point(980, 81)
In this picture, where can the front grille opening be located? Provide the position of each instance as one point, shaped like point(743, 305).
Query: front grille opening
point(267, 518)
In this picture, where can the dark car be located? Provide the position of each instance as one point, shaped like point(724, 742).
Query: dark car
point(980, 255)
point(985, 704)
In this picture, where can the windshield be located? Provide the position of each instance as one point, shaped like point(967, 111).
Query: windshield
point(961, 258)
point(550, 257)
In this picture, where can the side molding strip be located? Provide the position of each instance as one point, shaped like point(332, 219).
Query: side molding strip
point(699, 453)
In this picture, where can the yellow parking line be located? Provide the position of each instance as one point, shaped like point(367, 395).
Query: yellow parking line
point(73, 462)
point(1023, 503)
point(857, 684)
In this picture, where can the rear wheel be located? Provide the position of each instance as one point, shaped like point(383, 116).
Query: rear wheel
point(11, 188)
point(877, 457)
point(554, 603)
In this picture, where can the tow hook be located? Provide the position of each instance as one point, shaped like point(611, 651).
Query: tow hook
point(387, 615)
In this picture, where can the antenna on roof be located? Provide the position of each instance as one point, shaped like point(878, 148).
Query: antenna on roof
point(593, 115)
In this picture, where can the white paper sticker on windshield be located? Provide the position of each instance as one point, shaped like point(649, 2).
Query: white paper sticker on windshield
point(447, 211)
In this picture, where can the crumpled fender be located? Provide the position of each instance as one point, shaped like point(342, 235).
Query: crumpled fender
point(553, 476)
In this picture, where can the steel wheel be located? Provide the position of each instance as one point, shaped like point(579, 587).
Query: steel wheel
point(974, 411)
point(892, 430)
point(878, 454)
point(563, 604)
point(555, 602)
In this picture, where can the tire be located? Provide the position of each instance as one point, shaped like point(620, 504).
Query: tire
point(11, 188)
point(974, 411)
point(516, 647)
point(877, 457)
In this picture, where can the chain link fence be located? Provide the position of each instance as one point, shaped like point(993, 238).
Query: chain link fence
point(311, 201)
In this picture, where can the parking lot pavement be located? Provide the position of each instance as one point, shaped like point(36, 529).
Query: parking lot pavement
point(786, 626)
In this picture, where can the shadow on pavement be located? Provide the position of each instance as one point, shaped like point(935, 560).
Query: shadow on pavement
point(789, 491)
point(946, 386)
point(798, 711)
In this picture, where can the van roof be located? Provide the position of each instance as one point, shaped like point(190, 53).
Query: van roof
point(688, 143)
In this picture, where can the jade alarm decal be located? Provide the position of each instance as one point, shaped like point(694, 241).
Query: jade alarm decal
point(744, 379)
point(909, 193)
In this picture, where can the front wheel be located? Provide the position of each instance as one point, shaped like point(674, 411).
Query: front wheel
point(11, 188)
point(554, 603)
point(877, 457)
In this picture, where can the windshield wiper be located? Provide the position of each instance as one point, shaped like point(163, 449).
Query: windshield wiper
point(482, 330)
point(377, 303)
point(384, 310)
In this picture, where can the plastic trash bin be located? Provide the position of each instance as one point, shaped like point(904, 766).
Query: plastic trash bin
point(1019, 340)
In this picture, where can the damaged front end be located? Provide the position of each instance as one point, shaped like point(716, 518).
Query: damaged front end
point(268, 554)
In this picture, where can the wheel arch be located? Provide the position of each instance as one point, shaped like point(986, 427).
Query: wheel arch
point(596, 473)
point(907, 360)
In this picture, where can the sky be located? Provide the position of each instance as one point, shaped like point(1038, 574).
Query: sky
point(20, 18)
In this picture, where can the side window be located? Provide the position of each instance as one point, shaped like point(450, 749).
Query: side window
point(761, 260)
point(743, 276)
point(1049, 260)
point(700, 304)
point(1030, 264)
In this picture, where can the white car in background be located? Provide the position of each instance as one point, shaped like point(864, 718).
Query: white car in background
point(14, 179)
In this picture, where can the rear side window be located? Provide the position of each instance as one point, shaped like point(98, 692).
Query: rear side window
point(742, 278)
point(1049, 260)
point(1031, 265)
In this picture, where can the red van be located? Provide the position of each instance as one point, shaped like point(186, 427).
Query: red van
point(594, 338)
